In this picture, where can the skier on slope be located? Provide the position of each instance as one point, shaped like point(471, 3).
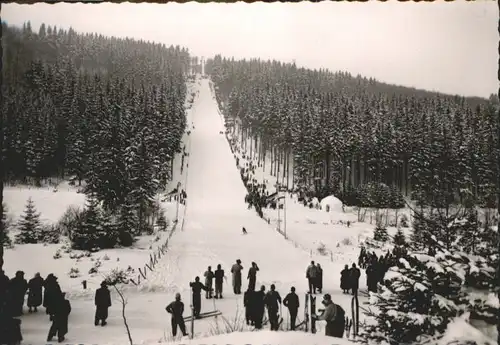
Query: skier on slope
point(176, 308)
point(236, 271)
point(219, 276)
point(273, 301)
point(252, 276)
point(291, 301)
point(209, 278)
point(196, 288)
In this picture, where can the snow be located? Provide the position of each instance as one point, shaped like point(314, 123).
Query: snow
point(334, 204)
point(209, 233)
point(268, 337)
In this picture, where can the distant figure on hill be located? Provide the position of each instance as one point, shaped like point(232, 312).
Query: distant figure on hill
point(244, 231)
point(176, 308)
point(102, 303)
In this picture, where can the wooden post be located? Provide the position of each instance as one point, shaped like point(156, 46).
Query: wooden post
point(192, 317)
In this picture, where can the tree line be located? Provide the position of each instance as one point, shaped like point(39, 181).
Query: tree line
point(105, 111)
point(335, 133)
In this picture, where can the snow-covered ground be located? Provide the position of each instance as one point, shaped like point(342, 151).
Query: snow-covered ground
point(208, 234)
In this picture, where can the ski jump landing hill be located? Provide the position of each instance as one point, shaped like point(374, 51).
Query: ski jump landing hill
point(211, 234)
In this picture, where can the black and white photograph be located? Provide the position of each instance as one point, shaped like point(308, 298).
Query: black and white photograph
point(250, 173)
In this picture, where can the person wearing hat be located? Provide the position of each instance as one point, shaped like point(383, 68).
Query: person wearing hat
point(51, 293)
point(17, 288)
point(35, 292)
point(291, 301)
point(236, 271)
point(196, 288)
point(176, 308)
point(273, 301)
point(61, 311)
point(334, 316)
point(102, 303)
point(252, 276)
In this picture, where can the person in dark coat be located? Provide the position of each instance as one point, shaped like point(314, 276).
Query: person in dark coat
point(61, 311)
point(209, 278)
point(311, 274)
point(354, 275)
point(344, 279)
point(17, 288)
point(35, 294)
point(196, 288)
point(291, 301)
point(273, 301)
point(4, 287)
point(51, 293)
point(249, 307)
point(102, 303)
point(252, 276)
point(10, 329)
point(258, 302)
point(219, 280)
point(319, 278)
point(371, 277)
point(236, 271)
point(176, 308)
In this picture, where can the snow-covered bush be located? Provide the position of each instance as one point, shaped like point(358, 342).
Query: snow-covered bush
point(69, 221)
point(74, 272)
point(57, 255)
point(322, 250)
point(49, 234)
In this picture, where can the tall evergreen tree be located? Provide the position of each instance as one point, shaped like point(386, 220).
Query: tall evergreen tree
point(29, 224)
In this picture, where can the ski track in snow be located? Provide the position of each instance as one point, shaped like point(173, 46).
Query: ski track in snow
point(215, 214)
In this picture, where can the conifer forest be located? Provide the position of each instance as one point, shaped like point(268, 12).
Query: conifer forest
point(109, 116)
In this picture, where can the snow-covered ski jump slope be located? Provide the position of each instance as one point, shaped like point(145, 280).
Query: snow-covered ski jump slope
point(211, 235)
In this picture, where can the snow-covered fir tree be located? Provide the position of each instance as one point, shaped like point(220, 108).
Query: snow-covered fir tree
point(86, 235)
point(29, 224)
point(380, 233)
point(6, 240)
point(400, 238)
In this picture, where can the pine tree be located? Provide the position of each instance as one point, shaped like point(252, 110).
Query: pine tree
point(29, 225)
point(86, 235)
point(380, 233)
point(161, 222)
point(6, 240)
point(399, 238)
point(127, 224)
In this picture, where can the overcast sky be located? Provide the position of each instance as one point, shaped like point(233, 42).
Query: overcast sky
point(448, 47)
